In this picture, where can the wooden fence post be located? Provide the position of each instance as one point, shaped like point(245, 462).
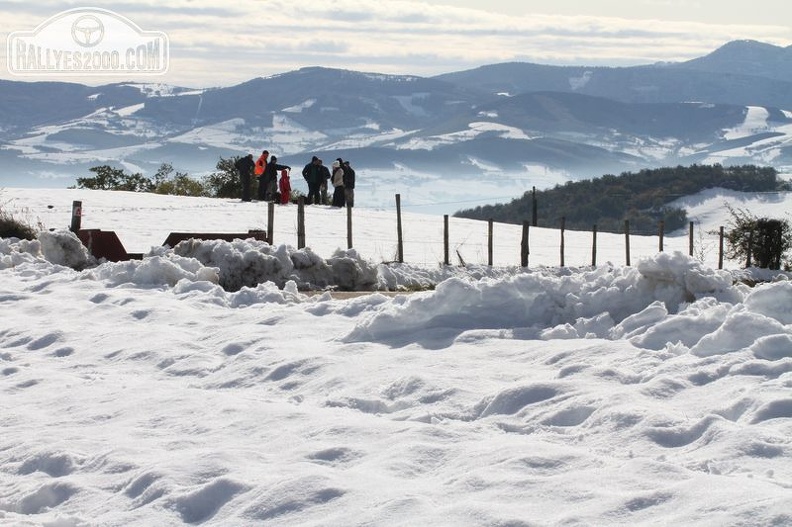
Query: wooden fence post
point(399, 240)
point(349, 227)
point(563, 228)
point(748, 254)
point(490, 242)
point(594, 246)
point(301, 223)
point(661, 234)
point(627, 241)
point(524, 250)
point(690, 239)
point(76, 216)
point(720, 250)
point(534, 211)
point(445, 240)
point(270, 222)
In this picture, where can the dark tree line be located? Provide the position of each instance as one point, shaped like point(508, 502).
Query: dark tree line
point(644, 198)
point(222, 183)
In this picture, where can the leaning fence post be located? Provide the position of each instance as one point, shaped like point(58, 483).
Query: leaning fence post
point(301, 223)
point(399, 240)
point(748, 254)
point(690, 238)
point(594, 246)
point(489, 242)
point(627, 240)
point(563, 228)
point(445, 240)
point(524, 251)
point(76, 216)
point(661, 233)
point(270, 222)
point(720, 249)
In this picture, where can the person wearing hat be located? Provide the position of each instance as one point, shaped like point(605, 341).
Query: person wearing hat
point(284, 186)
point(338, 184)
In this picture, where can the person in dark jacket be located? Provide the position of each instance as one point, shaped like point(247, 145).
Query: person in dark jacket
point(312, 176)
point(349, 184)
point(244, 166)
point(324, 177)
point(268, 182)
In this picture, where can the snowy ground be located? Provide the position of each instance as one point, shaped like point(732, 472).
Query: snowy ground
point(144, 393)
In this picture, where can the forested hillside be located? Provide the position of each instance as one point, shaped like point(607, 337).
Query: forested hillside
point(643, 198)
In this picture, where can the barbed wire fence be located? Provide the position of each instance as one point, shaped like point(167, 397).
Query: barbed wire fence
point(431, 241)
point(475, 242)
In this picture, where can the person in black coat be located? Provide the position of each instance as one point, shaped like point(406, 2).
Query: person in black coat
point(349, 184)
point(312, 176)
point(268, 182)
point(244, 166)
point(324, 178)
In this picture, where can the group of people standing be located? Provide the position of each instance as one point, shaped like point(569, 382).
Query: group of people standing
point(315, 173)
point(266, 170)
point(342, 177)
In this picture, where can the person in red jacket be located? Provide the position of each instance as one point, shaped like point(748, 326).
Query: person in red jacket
point(284, 185)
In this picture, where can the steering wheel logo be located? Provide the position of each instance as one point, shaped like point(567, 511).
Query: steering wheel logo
point(87, 31)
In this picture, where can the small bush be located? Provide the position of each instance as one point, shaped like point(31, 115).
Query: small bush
point(110, 178)
point(11, 227)
point(168, 181)
point(763, 241)
point(225, 182)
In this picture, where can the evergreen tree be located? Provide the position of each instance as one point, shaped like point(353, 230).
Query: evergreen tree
point(763, 241)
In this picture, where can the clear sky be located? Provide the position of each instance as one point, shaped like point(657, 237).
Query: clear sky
point(223, 43)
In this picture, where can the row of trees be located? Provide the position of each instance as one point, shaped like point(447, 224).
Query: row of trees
point(222, 183)
point(644, 198)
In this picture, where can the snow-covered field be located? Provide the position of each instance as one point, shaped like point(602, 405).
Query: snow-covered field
point(144, 393)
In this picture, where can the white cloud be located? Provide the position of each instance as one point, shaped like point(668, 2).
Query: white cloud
point(213, 46)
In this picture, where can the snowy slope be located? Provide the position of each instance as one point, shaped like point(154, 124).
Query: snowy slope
point(143, 393)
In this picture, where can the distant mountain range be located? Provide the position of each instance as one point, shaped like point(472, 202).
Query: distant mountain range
point(733, 106)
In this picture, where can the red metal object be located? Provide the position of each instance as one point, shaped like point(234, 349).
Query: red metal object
point(103, 244)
